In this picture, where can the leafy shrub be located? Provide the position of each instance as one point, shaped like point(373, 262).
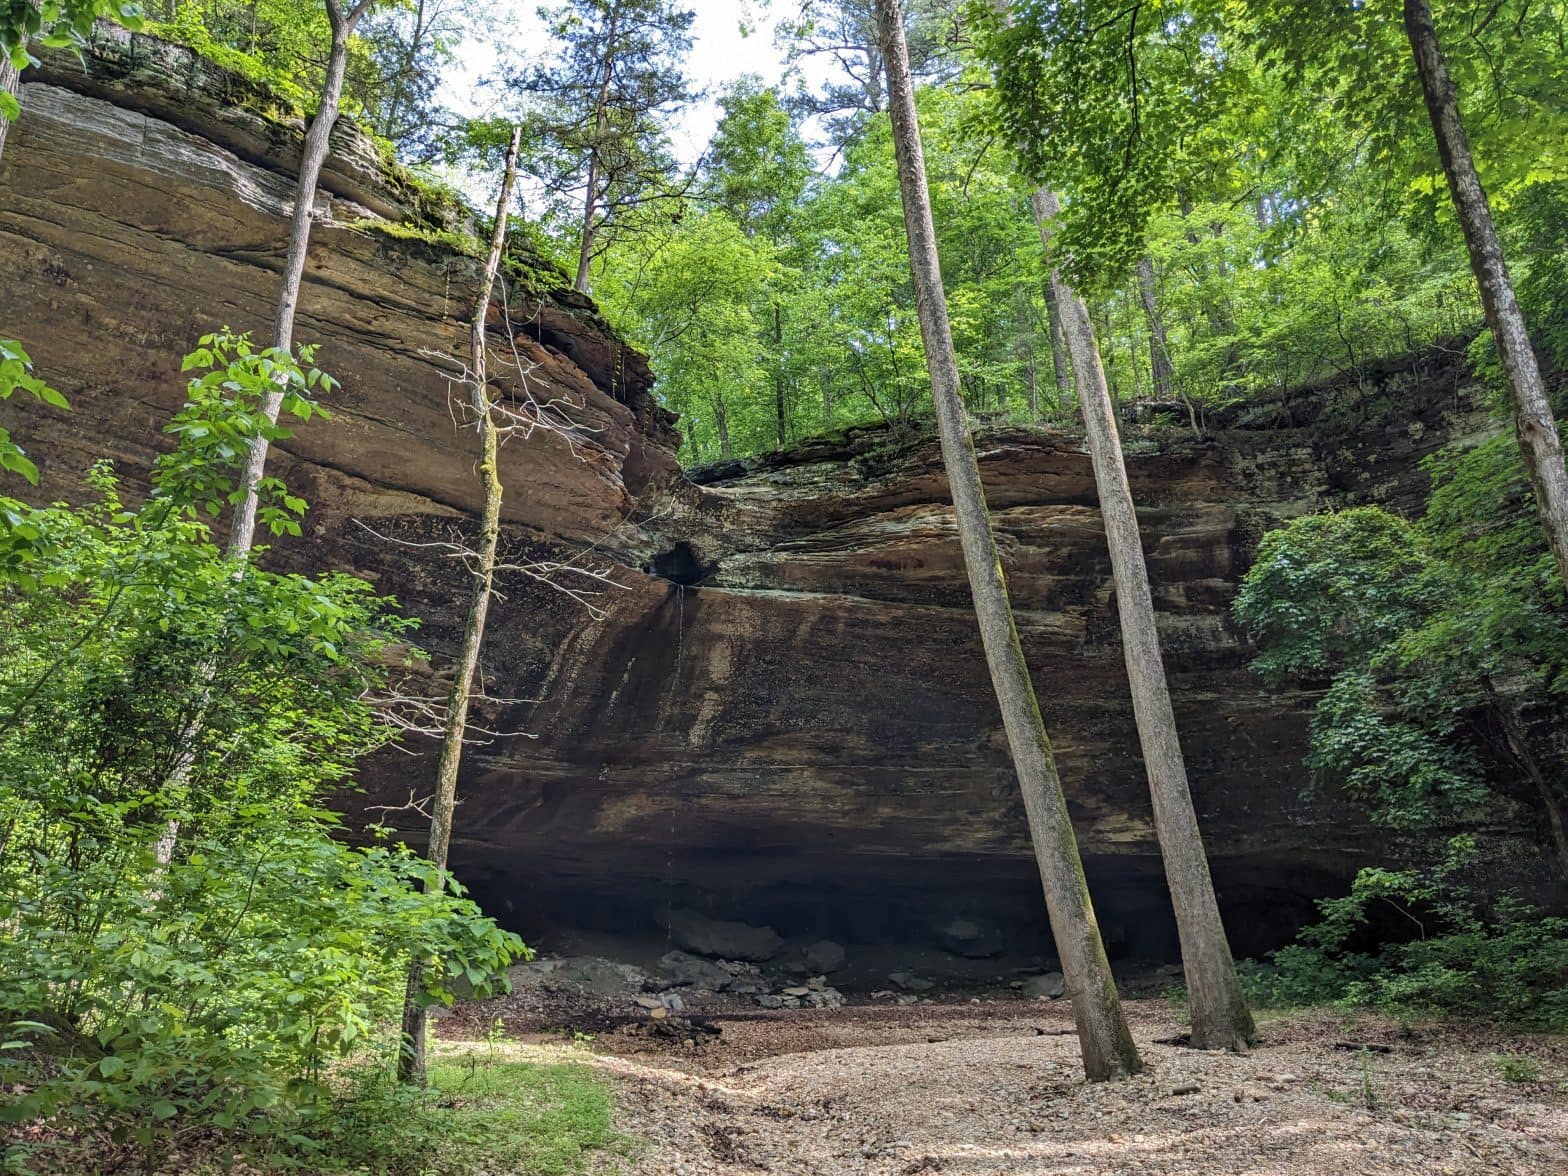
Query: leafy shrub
point(188, 942)
point(1518, 1068)
point(1507, 964)
point(1436, 639)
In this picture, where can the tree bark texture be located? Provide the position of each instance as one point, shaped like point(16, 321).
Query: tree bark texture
point(1106, 1044)
point(721, 422)
point(1220, 1017)
point(1064, 384)
point(1534, 424)
point(411, 1063)
point(1159, 352)
point(585, 243)
point(11, 83)
point(242, 535)
point(778, 376)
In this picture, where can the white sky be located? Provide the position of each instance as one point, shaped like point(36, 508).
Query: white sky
point(720, 54)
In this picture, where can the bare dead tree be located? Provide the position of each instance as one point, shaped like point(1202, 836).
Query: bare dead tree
point(411, 1060)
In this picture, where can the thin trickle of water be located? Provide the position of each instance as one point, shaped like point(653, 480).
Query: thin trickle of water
point(669, 845)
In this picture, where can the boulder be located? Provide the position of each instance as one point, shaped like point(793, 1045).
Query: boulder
point(973, 939)
point(825, 956)
point(590, 975)
point(1047, 986)
point(720, 939)
point(909, 982)
point(685, 970)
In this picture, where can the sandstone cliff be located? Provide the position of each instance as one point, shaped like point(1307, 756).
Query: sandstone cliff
point(780, 711)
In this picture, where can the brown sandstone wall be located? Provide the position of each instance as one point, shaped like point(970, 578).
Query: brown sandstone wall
point(802, 732)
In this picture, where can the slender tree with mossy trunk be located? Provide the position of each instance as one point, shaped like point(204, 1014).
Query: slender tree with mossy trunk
point(1536, 427)
point(1103, 1036)
point(411, 1062)
point(242, 533)
point(1220, 1016)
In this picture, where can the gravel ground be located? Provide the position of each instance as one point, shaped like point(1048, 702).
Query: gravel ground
point(964, 1088)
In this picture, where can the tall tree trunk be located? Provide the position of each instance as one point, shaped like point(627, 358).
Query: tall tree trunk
point(1533, 422)
point(411, 1061)
point(404, 80)
point(10, 83)
point(1220, 1017)
point(778, 374)
point(1026, 351)
point(242, 535)
point(1132, 347)
point(1107, 1046)
point(721, 422)
point(585, 245)
point(1159, 352)
point(600, 124)
point(1053, 318)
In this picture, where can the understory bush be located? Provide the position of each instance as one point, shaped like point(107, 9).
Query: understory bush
point(1504, 961)
point(1442, 647)
point(189, 943)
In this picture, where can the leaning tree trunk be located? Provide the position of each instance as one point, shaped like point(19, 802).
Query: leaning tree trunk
point(242, 534)
point(10, 83)
point(411, 1062)
point(1533, 422)
point(1107, 1046)
point(1220, 1017)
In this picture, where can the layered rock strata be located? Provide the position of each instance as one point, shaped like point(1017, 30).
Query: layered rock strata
point(773, 708)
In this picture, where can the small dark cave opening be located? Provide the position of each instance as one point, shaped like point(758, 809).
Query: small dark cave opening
point(680, 565)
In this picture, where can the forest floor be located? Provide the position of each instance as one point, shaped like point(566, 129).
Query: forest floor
point(964, 1087)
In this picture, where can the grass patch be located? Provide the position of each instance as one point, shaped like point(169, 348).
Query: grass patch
point(465, 244)
point(1517, 1068)
point(484, 1112)
point(489, 1110)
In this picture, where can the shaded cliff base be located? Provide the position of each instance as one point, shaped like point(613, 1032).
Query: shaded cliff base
point(954, 920)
